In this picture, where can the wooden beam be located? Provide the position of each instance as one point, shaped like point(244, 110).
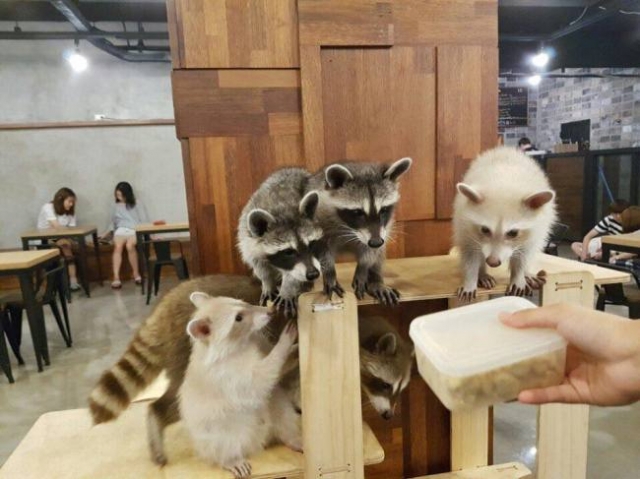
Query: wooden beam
point(85, 124)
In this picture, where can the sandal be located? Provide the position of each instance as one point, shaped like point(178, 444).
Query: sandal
point(117, 284)
point(138, 280)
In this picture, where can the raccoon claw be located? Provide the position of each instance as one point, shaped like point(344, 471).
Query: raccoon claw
point(241, 470)
point(265, 297)
point(289, 306)
point(487, 281)
point(359, 289)
point(291, 332)
point(537, 281)
point(335, 288)
point(465, 295)
point(160, 459)
point(384, 294)
point(515, 290)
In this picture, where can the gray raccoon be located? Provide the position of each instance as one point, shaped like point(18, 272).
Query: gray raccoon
point(279, 238)
point(355, 211)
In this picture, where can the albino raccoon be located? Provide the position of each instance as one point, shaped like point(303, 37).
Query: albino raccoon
point(503, 211)
point(355, 210)
point(279, 238)
point(225, 395)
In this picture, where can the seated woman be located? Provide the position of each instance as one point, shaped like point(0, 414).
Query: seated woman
point(127, 214)
point(60, 212)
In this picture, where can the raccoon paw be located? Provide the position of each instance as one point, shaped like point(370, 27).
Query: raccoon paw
point(240, 470)
point(267, 296)
point(384, 294)
point(537, 281)
point(359, 288)
point(466, 295)
point(159, 458)
point(289, 306)
point(329, 289)
point(486, 281)
point(515, 289)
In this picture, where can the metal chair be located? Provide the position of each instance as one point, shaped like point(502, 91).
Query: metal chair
point(163, 257)
point(558, 234)
point(5, 363)
point(619, 294)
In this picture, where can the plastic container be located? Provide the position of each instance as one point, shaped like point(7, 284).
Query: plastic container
point(470, 359)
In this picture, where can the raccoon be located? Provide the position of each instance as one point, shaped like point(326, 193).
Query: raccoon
point(355, 211)
point(503, 211)
point(229, 383)
point(279, 238)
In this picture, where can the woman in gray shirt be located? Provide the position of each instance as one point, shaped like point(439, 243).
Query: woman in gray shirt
point(127, 214)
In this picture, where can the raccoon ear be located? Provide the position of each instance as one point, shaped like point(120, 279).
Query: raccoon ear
point(539, 199)
point(309, 204)
point(337, 175)
point(396, 170)
point(387, 344)
point(259, 221)
point(199, 328)
point(473, 195)
point(197, 298)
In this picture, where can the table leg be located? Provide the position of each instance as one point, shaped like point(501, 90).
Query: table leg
point(143, 260)
point(563, 429)
point(83, 265)
point(606, 252)
point(25, 244)
point(96, 249)
point(35, 317)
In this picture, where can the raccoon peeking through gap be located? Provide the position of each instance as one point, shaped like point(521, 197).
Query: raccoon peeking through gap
point(356, 205)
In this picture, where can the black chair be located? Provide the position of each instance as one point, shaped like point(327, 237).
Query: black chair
point(5, 363)
point(50, 290)
point(163, 257)
point(556, 237)
point(619, 294)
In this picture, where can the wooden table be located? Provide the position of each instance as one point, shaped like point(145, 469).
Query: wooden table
point(435, 439)
point(76, 233)
point(143, 235)
point(24, 264)
point(628, 243)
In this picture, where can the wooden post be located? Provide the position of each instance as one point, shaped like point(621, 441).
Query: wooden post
point(330, 387)
point(563, 430)
point(469, 430)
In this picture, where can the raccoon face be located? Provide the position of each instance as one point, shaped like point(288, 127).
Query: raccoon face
point(220, 322)
point(385, 373)
point(364, 198)
point(499, 228)
point(292, 245)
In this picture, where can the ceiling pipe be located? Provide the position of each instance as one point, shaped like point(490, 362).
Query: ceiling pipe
point(610, 9)
point(83, 35)
point(80, 23)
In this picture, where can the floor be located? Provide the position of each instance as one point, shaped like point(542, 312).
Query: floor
point(103, 324)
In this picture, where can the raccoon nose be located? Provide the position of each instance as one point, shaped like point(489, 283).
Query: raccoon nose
point(312, 274)
point(493, 262)
point(375, 242)
point(387, 414)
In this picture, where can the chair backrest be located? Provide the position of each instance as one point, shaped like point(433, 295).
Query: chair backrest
point(631, 219)
point(163, 250)
point(558, 233)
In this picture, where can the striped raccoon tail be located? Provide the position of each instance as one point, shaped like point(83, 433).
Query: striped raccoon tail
point(118, 386)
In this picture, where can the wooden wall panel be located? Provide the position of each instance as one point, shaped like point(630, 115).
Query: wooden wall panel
point(236, 102)
point(382, 108)
point(467, 113)
point(567, 179)
point(238, 33)
point(435, 22)
point(346, 22)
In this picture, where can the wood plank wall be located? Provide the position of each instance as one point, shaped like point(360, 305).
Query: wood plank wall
point(261, 84)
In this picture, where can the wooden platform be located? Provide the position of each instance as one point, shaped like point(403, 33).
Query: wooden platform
point(510, 470)
point(64, 445)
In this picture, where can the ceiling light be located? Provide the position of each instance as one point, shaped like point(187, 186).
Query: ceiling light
point(534, 80)
point(78, 62)
point(540, 60)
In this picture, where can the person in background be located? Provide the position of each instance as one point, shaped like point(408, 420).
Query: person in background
point(60, 213)
point(127, 214)
point(524, 144)
point(591, 246)
point(603, 355)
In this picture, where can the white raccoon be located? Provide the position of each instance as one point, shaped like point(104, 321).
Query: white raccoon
point(503, 211)
point(224, 398)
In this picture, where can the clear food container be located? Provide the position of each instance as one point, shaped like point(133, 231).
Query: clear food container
point(470, 359)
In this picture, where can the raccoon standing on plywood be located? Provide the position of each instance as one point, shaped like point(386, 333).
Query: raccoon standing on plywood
point(279, 238)
point(503, 211)
point(228, 385)
point(356, 206)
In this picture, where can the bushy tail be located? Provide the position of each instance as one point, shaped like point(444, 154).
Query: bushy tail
point(136, 369)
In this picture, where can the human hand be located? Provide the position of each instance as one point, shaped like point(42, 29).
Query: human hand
point(603, 355)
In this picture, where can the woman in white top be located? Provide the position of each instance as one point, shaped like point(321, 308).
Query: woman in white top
point(61, 213)
point(127, 214)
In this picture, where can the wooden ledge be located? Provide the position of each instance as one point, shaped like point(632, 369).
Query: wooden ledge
point(511, 470)
point(65, 445)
